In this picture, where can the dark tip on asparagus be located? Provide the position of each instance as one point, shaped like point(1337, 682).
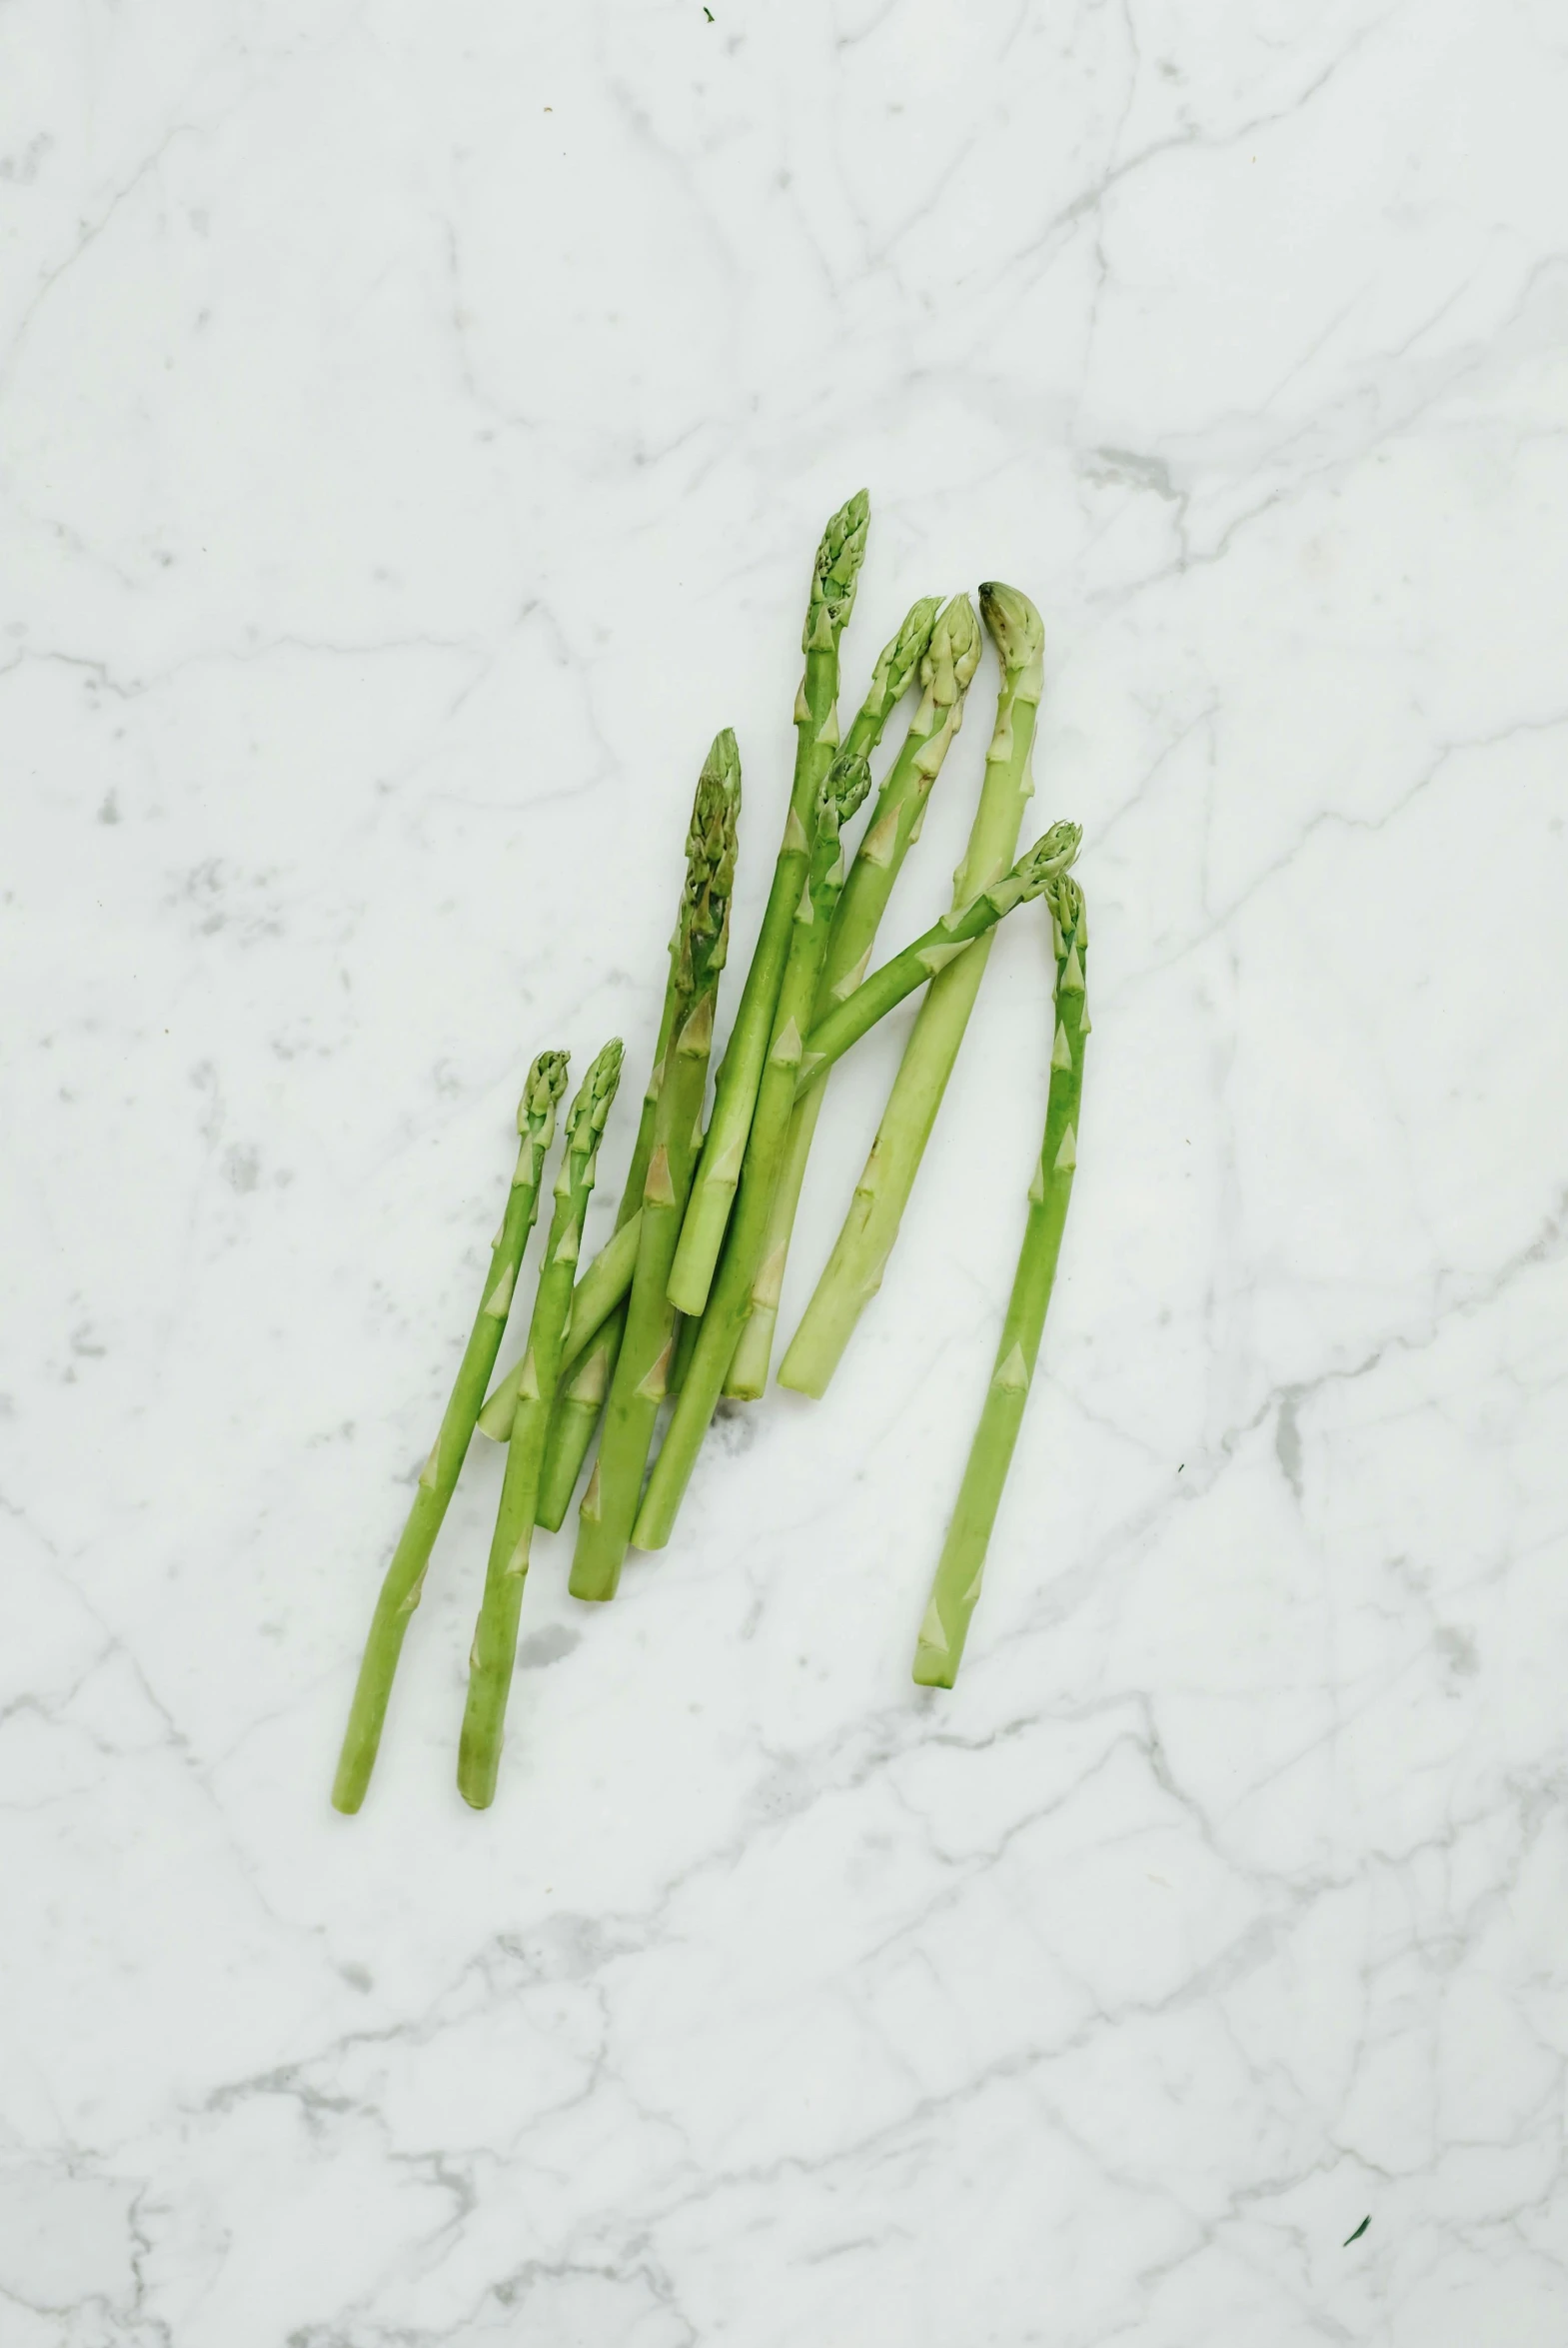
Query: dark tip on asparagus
point(1015, 627)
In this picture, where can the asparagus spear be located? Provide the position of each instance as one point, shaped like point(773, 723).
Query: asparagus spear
point(947, 663)
point(496, 1632)
point(854, 1269)
point(638, 1387)
point(405, 1576)
point(833, 577)
point(847, 783)
point(934, 950)
point(593, 1301)
point(597, 1324)
point(962, 1562)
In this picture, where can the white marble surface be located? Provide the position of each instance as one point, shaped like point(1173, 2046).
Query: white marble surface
point(414, 427)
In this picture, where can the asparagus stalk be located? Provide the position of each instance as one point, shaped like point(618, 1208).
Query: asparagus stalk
point(579, 1399)
point(593, 1344)
point(933, 950)
point(948, 652)
point(844, 787)
point(638, 1384)
point(962, 1564)
point(854, 1269)
point(593, 1301)
point(833, 577)
point(496, 1632)
point(405, 1577)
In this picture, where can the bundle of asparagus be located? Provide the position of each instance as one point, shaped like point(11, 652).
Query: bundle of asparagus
point(684, 1298)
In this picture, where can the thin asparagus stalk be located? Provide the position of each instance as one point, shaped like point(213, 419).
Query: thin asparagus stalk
point(729, 1301)
point(496, 1632)
point(608, 1277)
point(948, 652)
point(833, 577)
point(405, 1577)
point(962, 1564)
point(854, 1269)
point(933, 950)
point(638, 1387)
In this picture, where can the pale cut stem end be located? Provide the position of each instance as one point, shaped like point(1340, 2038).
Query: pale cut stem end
point(934, 1666)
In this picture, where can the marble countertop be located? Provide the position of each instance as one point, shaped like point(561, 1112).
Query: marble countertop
point(414, 427)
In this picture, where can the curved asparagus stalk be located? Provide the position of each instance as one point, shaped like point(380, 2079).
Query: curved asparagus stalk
point(947, 655)
point(638, 1384)
point(405, 1576)
point(845, 785)
point(833, 577)
point(854, 1269)
point(496, 1632)
point(962, 1564)
point(936, 947)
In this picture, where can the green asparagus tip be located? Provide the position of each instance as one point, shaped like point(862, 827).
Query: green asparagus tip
point(710, 840)
point(844, 786)
point(1065, 898)
point(955, 650)
point(910, 645)
point(702, 934)
point(722, 767)
point(1017, 628)
point(1049, 858)
point(546, 1080)
point(901, 657)
point(586, 1118)
point(838, 567)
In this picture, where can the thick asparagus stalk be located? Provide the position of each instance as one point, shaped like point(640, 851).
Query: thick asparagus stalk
point(833, 577)
point(854, 1269)
point(640, 1374)
point(962, 1562)
point(845, 785)
point(933, 950)
point(405, 1576)
point(947, 655)
point(496, 1632)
